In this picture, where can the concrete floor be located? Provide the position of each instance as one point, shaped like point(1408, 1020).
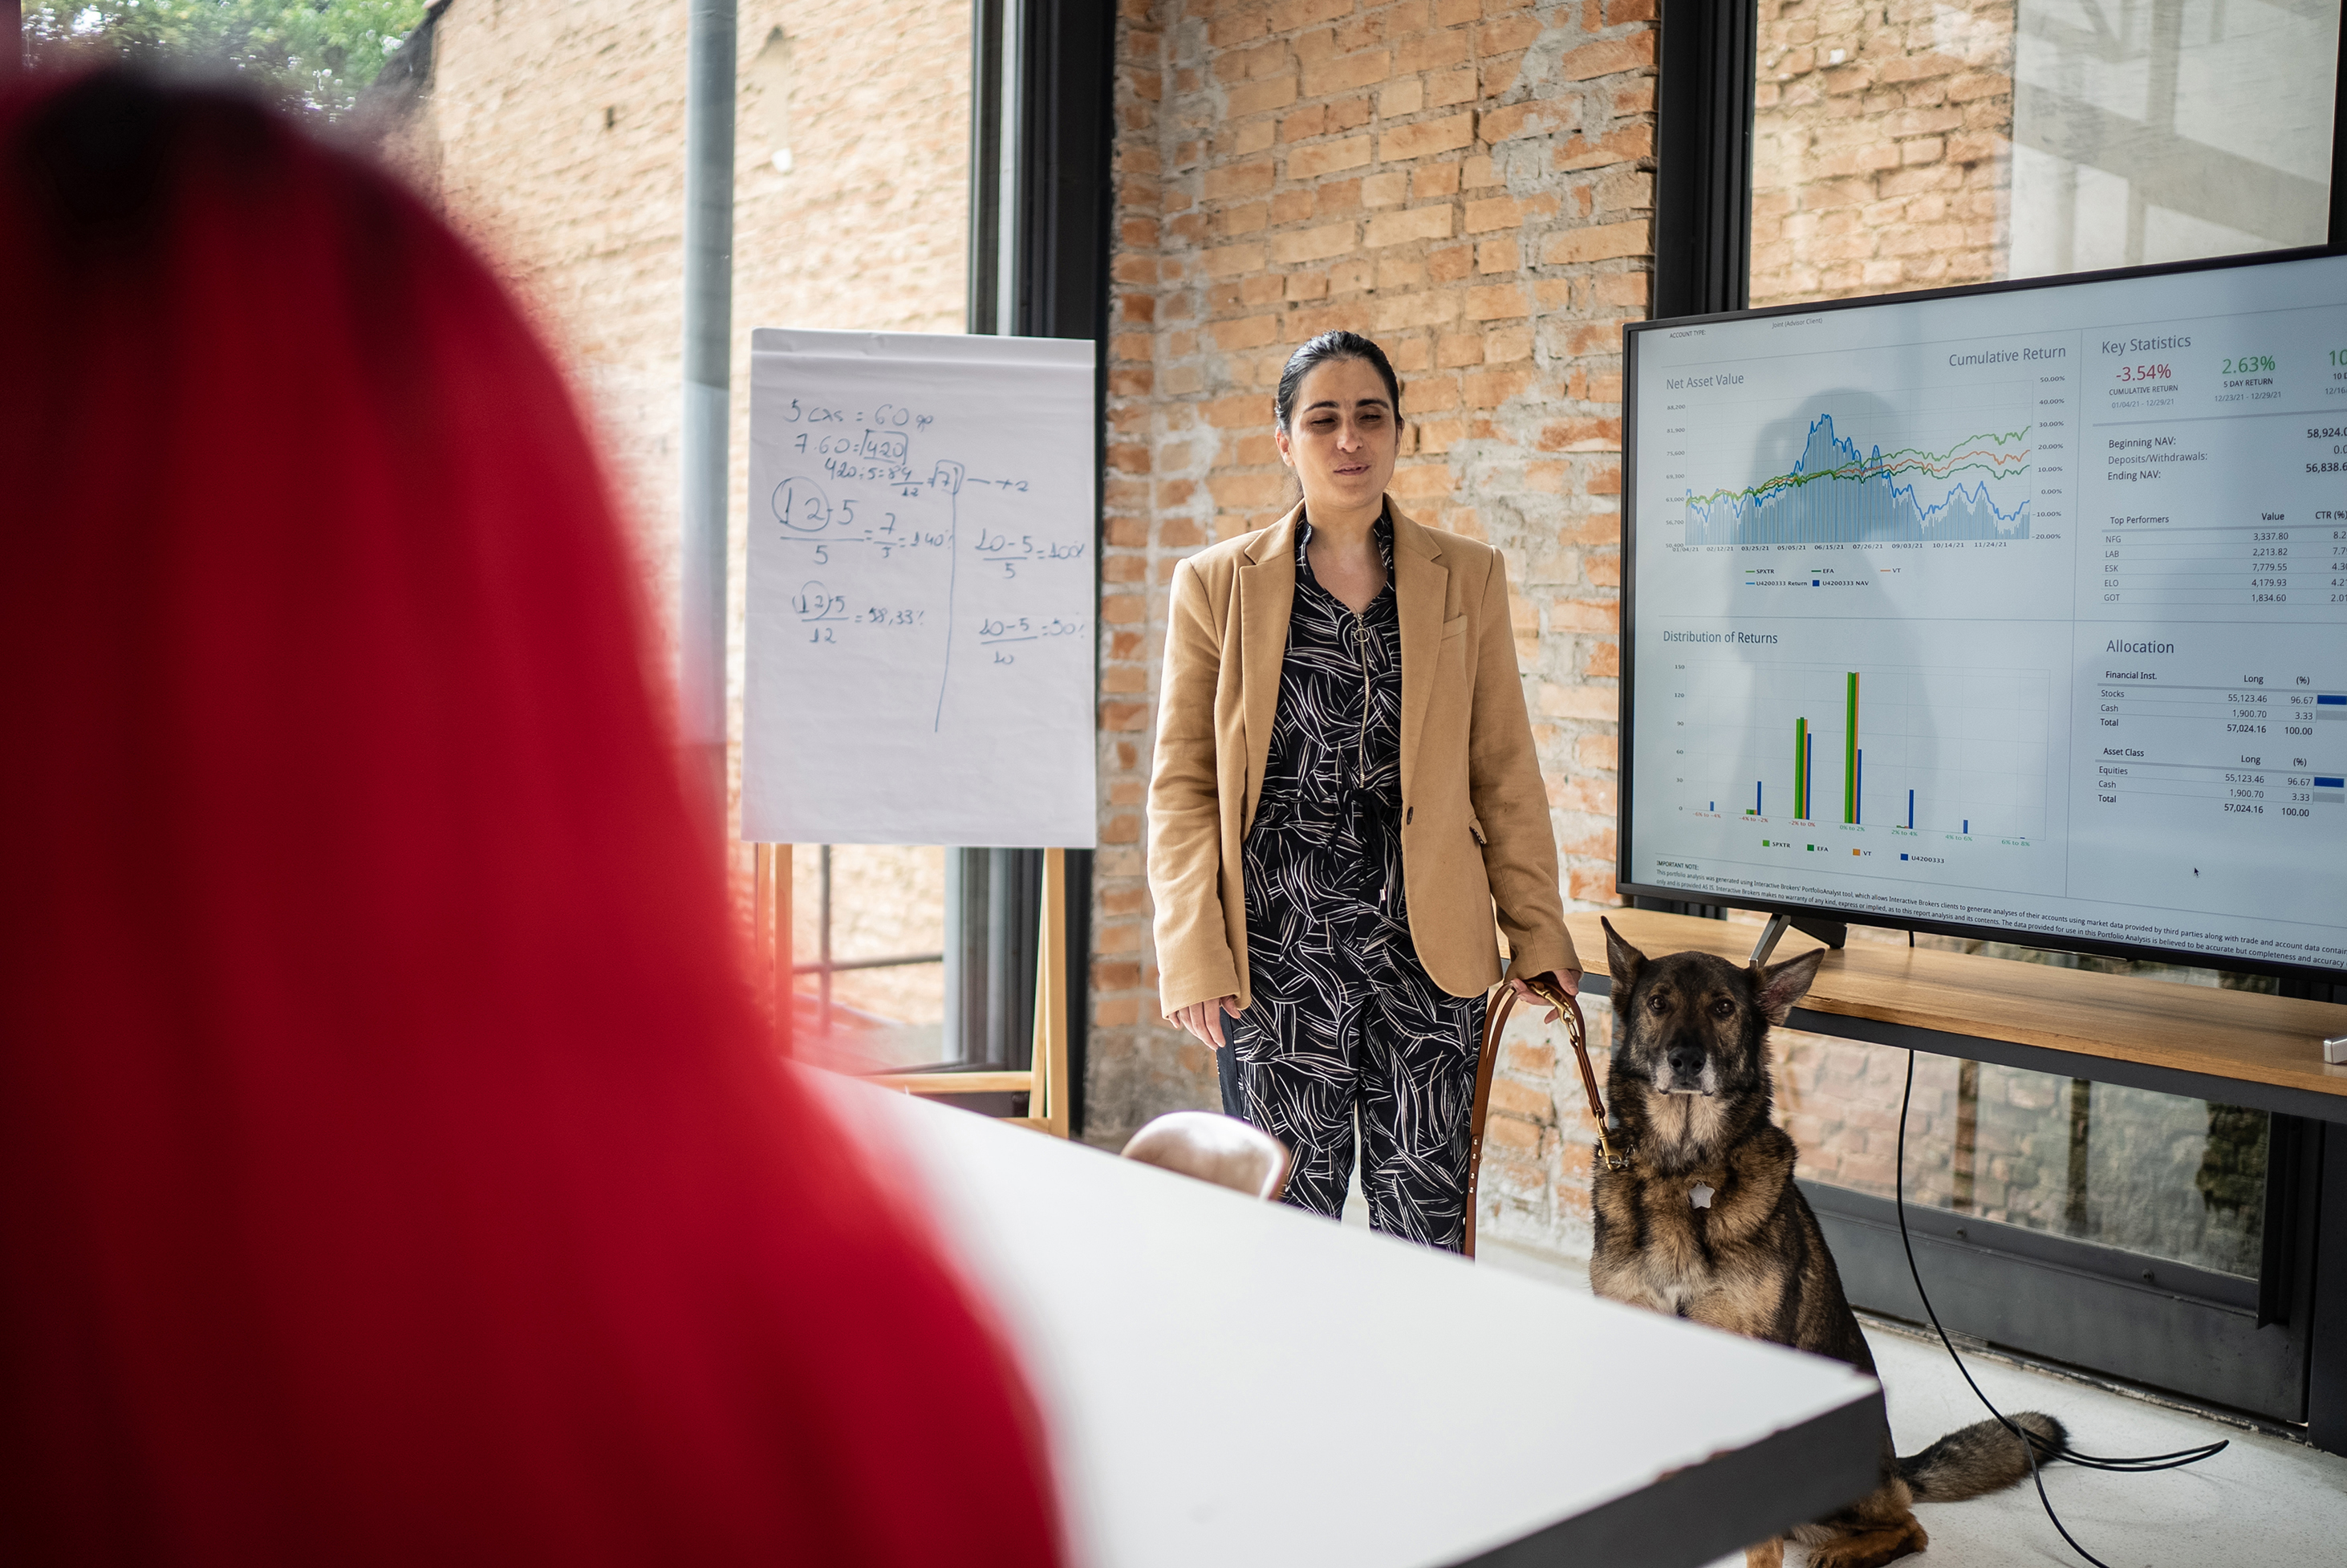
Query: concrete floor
point(2265, 1501)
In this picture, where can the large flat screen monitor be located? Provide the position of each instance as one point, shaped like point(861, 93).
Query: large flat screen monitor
point(2017, 611)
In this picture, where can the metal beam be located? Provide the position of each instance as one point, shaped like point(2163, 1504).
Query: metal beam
point(708, 376)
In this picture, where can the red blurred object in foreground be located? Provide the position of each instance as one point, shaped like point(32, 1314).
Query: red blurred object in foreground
point(391, 1170)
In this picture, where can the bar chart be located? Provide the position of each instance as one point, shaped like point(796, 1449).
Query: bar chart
point(1948, 750)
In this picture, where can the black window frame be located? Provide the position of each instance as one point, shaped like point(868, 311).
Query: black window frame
point(1998, 1283)
point(1041, 133)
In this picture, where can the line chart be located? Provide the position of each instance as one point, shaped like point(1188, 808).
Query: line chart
point(1836, 494)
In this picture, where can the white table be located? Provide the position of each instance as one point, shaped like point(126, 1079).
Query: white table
point(1227, 1382)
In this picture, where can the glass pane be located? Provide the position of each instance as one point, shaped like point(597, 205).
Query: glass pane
point(2153, 1174)
point(1971, 141)
point(884, 902)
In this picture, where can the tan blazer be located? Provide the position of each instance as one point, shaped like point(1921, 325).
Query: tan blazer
point(1475, 828)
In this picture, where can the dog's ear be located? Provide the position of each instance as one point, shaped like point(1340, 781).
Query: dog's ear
point(1623, 961)
point(1779, 986)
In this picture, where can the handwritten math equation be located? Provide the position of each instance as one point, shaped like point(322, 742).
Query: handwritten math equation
point(907, 549)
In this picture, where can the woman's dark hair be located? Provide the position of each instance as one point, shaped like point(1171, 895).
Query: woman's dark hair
point(1320, 351)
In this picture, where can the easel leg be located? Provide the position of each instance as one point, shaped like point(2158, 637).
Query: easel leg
point(1049, 1101)
point(785, 983)
point(771, 940)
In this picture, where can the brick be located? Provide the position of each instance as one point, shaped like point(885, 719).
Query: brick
point(1235, 26)
point(1236, 491)
point(1618, 146)
point(1241, 65)
point(1402, 98)
point(1508, 36)
point(1430, 51)
point(1511, 1098)
point(1976, 148)
point(1238, 179)
point(1429, 180)
point(1313, 244)
point(1287, 16)
point(1536, 118)
point(1496, 302)
point(1419, 480)
point(1426, 138)
point(1429, 308)
point(1915, 68)
point(1249, 331)
point(1492, 212)
point(1598, 244)
point(1582, 435)
point(1345, 73)
point(1229, 413)
point(1603, 59)
point(1231, 261)
point(1444, 88)
point(1337, 197)
point(1492, 388)
point(1248, 218)
point(1259, 98)
point(1416, 223)
point(1327, 158)
point(1584, 615)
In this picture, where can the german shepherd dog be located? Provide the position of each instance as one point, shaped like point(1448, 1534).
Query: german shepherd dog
point(1705, 1222)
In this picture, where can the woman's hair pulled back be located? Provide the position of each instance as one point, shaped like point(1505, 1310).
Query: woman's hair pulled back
point(1320, 351)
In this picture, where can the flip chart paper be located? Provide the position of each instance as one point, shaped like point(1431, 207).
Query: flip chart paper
point(920, 634)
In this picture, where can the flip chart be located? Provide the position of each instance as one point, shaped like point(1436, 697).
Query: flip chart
point(921, 603)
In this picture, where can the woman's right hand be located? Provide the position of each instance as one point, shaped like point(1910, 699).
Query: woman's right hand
point(1204, 1020)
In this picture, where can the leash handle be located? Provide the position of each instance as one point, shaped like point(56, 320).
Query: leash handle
point(1495, 1022)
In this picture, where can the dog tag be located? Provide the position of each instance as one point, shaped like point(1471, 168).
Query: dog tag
point(1699, 1195)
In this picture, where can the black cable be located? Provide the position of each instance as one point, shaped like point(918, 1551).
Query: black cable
point(2031, 1443)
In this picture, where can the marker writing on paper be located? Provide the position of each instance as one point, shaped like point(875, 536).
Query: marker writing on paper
point(858, 448)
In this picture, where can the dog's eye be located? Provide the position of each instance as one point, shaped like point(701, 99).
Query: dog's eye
point(1723, 1008)
point(1658, 1003)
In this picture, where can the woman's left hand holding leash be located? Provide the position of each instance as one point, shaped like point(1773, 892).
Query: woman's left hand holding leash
point(1565, 980)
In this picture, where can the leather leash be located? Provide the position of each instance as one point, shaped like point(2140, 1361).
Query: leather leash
point(1495, 1020)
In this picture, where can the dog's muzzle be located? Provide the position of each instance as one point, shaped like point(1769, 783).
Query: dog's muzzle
point(1687, 1071)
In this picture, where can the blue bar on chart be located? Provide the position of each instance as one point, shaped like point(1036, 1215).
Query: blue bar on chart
point(1911, 811)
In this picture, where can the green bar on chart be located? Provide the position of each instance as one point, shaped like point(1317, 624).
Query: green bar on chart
point(1849, 754)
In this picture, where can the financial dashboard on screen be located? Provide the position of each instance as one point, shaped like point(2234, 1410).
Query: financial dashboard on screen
point(2018, 611)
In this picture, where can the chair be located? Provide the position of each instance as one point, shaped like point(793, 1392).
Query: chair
point(1218, 1149)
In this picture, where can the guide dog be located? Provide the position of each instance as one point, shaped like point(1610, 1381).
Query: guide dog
point(1703, 1221)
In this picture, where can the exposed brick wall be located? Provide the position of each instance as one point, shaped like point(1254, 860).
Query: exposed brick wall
point(553, 135)
point(1469, 182)
point(1881, 145)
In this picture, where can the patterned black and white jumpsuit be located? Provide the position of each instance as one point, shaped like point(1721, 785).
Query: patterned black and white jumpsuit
point(1343, 1022)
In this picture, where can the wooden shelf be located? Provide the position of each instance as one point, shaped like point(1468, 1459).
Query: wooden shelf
point(947, 1083)
point(2129, 1023)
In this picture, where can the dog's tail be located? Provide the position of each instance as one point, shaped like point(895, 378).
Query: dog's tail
point(1980, 1458)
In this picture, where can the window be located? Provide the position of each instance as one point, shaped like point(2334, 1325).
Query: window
point(1974, 140)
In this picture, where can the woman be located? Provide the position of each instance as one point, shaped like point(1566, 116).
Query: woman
point(1344, 789)
point(392, 1168)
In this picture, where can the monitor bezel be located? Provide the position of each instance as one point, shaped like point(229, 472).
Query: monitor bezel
point(1627, 887)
